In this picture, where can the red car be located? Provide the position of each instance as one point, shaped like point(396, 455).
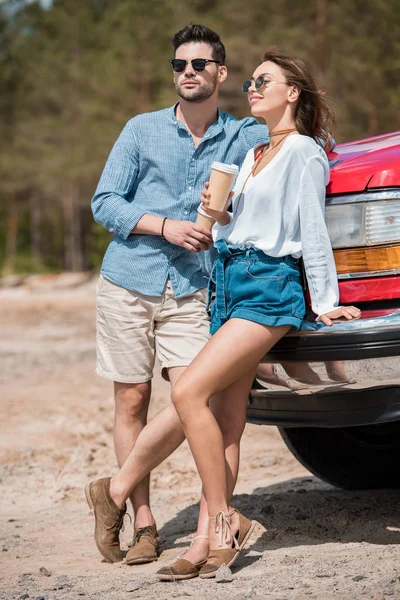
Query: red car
point(334, 392)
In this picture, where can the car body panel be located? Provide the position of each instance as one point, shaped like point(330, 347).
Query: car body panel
point(365, 164)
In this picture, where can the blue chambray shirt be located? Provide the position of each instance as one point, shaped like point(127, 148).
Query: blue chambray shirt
point(154, 168)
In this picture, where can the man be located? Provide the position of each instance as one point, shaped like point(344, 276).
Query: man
point(151, 293)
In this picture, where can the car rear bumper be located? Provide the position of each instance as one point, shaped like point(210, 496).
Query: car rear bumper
point(344, 375)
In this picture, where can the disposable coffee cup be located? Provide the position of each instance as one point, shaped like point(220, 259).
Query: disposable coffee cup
point(221, 183)
point(204, 220)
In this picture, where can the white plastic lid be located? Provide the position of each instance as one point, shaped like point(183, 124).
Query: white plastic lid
point(234, 169)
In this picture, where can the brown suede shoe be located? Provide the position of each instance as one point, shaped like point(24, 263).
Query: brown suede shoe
point(145, 546)
point(108, 519)
point(227, 555)
point(180, 569)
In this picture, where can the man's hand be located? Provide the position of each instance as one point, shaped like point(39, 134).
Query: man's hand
point(187, 235)
point(343, 312)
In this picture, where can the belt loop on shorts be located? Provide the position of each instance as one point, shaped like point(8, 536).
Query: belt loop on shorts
point(291, 260)
point(220, 300)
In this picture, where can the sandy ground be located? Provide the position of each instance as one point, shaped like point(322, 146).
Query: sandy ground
point(313, 541)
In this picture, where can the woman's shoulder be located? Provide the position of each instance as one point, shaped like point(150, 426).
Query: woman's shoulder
point(307, 147)
point(306, 143)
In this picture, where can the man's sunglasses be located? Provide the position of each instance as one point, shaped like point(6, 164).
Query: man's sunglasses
point(198, 64)
point(259, 83)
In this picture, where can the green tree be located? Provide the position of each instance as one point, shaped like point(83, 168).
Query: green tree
point(71, 76)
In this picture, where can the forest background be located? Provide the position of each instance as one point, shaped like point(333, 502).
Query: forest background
point(72, 72)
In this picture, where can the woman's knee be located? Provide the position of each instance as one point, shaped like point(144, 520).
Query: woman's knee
point(186, 399)
point(180, 395)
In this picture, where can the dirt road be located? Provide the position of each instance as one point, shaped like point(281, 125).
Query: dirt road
point(313, 541)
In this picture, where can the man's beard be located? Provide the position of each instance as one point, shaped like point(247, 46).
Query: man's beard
point(198, 94)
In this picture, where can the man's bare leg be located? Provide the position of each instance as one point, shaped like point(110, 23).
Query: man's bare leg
point(131, 407)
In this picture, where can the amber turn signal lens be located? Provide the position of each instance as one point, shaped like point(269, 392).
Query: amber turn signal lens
point(363, 260)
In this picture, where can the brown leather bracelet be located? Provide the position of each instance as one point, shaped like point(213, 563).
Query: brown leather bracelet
point(162, 227)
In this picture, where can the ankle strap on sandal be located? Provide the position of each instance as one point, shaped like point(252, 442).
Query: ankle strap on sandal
point(198, 537)
point(223, 528)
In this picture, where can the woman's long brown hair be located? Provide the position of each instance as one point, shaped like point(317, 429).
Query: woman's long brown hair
point(313, 115)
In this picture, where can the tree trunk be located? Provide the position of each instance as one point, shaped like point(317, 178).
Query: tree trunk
point(73, 259)
point(12, 233)
point(35, 214)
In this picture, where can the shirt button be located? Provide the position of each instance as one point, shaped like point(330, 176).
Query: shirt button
point(190, 187)
point(185, 212)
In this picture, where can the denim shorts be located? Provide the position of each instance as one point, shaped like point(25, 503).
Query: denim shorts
point(251, 285)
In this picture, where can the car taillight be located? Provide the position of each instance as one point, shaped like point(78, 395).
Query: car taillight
point(365, 235)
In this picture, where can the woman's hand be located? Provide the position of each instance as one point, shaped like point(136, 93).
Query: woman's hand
point(342, 312)
point(222, 217)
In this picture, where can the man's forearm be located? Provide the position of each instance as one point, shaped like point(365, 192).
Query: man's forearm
point(148, 225)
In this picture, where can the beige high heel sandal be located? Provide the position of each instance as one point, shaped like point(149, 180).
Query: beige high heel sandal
point(182, 568)
point(217, 557)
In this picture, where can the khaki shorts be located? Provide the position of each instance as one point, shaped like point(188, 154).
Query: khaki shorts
point(133, 328)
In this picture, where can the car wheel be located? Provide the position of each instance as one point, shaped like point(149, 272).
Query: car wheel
point(365, 457)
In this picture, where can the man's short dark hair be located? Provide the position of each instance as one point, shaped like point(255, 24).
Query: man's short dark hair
point(200, 33)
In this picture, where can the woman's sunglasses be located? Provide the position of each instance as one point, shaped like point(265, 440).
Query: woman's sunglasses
point(198, 64)
point(259, 83)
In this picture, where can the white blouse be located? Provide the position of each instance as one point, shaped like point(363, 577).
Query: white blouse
point(282, 212)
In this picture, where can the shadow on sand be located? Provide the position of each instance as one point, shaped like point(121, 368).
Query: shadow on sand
point(305, 511)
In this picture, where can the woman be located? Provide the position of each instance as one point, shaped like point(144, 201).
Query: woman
point(278, 216)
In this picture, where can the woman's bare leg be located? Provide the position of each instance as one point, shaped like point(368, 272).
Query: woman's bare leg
point(157, 440)
point(231, 354)
point(229, 408)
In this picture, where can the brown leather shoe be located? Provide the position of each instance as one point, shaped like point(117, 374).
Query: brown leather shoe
point(108, 519)
point(227, 555)
point(180, 569)
point(145, 546)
